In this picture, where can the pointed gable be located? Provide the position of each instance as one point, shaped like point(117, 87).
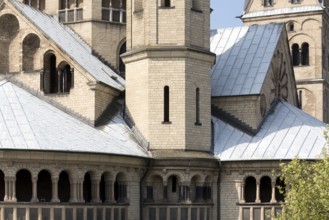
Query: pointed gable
point(244, 55)
point(71, 44)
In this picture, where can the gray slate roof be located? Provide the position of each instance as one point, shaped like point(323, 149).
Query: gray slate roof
point(72, 44)
point(28, 123)
point(286, 132)
point(282, 11)
point(244, 55)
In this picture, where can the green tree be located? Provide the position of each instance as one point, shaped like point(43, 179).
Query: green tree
point(307, 193)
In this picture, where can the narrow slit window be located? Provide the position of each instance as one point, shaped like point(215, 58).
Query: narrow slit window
point(166, 104)
point(305, 54)
point(166, 3)
point(197, 106)
point(295, 55)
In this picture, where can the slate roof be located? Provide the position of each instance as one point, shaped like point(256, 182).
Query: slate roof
point(28, 123)
point(282, 11)
point(286, 132)
point(72, 44)
point(244, 55)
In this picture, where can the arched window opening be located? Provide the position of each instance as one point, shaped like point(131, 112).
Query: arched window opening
point(122, 66)
point(64, 187)
point(66, 76)
point(291, 26)
point(166, 103)
point(49, 80)
point(295, 54)
point(250, 189)
point(173, 189)
point(102, 186)
point(305, 54)
point(31, 44)
point(2, 186)
point(87, 188)
point(280, 189)
point(9, 27)
point(70, 10)
point(44, 186)
point(174, 184)
point(197, 107)
point(197, 189)
point(120, 188)
point(23, 186)
point(265, 189)
point(114, 10)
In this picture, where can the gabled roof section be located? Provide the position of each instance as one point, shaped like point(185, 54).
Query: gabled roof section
point(28, 123)
point(71, 44)
point(282, 11)
point(244, 55)
point(287, 132)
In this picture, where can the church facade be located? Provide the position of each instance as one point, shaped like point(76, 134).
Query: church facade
point(125, 110)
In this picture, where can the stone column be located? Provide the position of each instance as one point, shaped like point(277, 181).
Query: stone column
point(95, 189)
point(74, 189)
point(59, 73)
point(7, 197)
point(242, 199)
point(13, 187)
point(54, 182)
point(184, 192)
point(257, 191)
point(10, 189)
point(273, 200)
point(109, 190)
point(72, 78)
point(165, 191)
point(34, 189)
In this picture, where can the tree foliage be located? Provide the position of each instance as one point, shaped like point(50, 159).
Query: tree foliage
point(307, 193)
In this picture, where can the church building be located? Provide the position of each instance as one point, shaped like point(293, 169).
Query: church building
point(136, 110)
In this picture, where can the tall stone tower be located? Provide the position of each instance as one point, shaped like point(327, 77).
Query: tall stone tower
point(167, 72)
point(307, 24)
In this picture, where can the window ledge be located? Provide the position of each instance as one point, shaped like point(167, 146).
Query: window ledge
point(302, 66)
point(196, 10)
point(163, 7)
point(166, 123)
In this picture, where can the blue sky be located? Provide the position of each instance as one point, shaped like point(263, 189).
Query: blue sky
point(225, 12)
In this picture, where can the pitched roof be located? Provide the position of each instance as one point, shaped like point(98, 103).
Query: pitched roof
point(286, 132)
point(244, 55)
point(72, 44)
point(282, 11)
point(28, 123)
